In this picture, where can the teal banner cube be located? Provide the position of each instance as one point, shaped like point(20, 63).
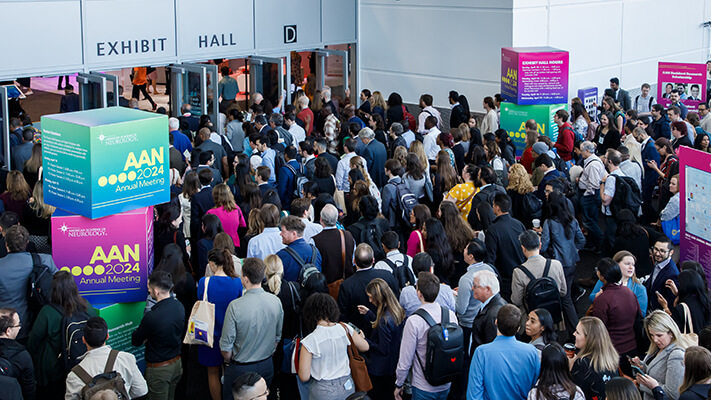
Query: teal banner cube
point(105, 161)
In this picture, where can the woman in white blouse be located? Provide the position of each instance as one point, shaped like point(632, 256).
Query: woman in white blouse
point(491, 119)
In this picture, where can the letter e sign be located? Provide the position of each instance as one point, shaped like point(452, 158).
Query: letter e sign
point(289, 34)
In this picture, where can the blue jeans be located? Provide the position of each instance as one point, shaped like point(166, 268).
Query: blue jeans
point(419, 394)
point(590, 208)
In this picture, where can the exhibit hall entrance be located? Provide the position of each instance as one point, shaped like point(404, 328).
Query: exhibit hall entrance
point(267, 76)
point(332, 68)
point(97, 90)
point(195, 84)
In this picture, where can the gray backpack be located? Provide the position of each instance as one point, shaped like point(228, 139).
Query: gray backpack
point(108, 380)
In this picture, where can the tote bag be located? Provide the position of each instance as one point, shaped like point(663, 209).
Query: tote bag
point(201, 325)
point(671, 229)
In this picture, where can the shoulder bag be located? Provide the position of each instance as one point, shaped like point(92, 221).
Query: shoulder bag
point(359, 371)
point(691, 338)
point(335, 286)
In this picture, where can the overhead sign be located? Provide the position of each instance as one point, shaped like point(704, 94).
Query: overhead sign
point(50, 42)
point(112, 44)
point(229, 34)
point(278, 30)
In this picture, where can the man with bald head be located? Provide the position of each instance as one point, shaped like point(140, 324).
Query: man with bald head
point(217, 150)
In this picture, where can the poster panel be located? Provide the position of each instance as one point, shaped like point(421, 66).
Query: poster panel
point(123, 319)
point(688, 79)
point(695, 206)
point(534, 75)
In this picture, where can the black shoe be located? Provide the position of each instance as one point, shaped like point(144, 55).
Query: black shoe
point(587, 282)
point(59, 87)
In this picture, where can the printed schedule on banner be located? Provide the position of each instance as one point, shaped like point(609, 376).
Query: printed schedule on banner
point(698, 203)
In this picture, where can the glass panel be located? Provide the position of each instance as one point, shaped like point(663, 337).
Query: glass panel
point(270, 83)
point(192, 91)
point(111, 93)
point(91, 95)
point(211, 78)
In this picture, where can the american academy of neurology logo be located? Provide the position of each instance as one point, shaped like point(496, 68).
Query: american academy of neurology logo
point(121, 139)
point(81, 232)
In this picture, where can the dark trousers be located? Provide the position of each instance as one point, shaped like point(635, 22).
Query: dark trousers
point(590, 208)
point(59, 82)
point(570, 315)
point(649, 214)
point(52, 391)
point(383, 387)
point(458, 389)
point(142, 89)
point(608, 241)
point(264, 368)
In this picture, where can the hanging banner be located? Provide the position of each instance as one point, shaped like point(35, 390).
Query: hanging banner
point(534, 75)
point(695, 206)
point(688, 79)
point(110, 258)
point(514, 117)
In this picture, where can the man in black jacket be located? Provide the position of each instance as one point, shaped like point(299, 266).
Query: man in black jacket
point(201, 202)
point(352, 292)
point(22, 368)
point(503, 249)
point(458, 115)
point(485, 289)
point(486, 181)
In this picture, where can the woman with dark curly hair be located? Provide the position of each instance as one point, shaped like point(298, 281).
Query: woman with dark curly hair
point(324, 352)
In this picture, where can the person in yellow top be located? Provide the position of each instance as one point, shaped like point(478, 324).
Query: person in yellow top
point(462, 194)
point(140, 81)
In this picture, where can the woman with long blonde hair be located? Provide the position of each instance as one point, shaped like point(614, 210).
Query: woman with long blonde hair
point(519, 186)
point(445, 177)
point(384, 342)
point(418, 148)
point(664, 364)
point(255, 226)
point(597, 360)
point(17, 193)
point(378, 104)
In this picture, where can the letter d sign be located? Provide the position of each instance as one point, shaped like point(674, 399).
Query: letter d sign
point(289, 34)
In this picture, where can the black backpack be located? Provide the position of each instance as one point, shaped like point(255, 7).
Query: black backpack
point(403, 274)
point(6, 368)
point(72, 333)
point(627, 196)
point(561, 166)
point(543, 292)
point(406, 201)
point(445, 349)
point(372, 235)
point(532, 206)
point(307, 268)
point(40, 285)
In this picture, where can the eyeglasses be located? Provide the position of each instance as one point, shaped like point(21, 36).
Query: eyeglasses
point(658, 250)
point(261, 395)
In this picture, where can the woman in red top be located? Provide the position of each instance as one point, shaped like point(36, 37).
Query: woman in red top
point(227, 211)
point(531, 139)
point(416, 242)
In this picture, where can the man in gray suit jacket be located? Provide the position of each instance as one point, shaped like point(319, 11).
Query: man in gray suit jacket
point(621, 95)
point(23, 152)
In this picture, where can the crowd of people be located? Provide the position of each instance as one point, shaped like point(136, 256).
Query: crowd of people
point(329, 239)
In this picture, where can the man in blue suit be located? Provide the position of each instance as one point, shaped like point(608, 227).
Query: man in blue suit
point(664, 269)
point(375, 156)
point(650, 156)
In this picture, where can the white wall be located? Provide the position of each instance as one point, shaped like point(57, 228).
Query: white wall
point(431, 46)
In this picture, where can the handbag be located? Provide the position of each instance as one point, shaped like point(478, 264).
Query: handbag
point(292, 347)
point(359, 371)
point(691, 338)
point(671, 229)
point(422, 241)
point(335, 286)
point(201, 324)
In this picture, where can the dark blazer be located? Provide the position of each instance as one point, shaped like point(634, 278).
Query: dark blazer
point(332, 161)
point(503, 249)
point(682, 141)
point(610, 141)
point(457, 116)
point(669, 272)
point(352, 294)
point(328, 243)
point(216, 177)
point(661, 128)
point(623, 97)
point(458, 151)
point(649, 153)
point(484, 326)
point(486, 194)
point(384, 345)
point(200, 203)
point(375, 156)
point(176, 160)
point(21, 361)
point(394, 114)
point(264, 188)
